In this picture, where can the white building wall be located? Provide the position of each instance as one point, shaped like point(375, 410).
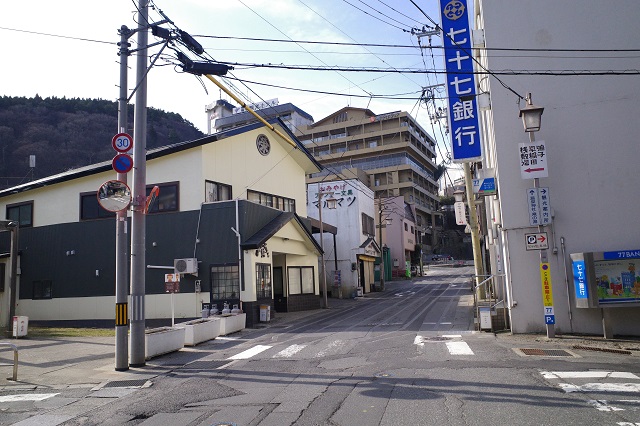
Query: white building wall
point(590, 127)
point(347, 217)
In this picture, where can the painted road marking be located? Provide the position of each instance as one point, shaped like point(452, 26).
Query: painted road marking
point(588, 375)
point(459, 348)
point(600, 387)
point(250, 352)
point(336, 344)
point(290, 351)
point(601, 405)
point(27, 397)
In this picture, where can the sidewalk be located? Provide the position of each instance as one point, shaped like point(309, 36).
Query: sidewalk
point(89, 362)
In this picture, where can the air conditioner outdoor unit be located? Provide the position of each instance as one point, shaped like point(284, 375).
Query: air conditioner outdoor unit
point(185, 266)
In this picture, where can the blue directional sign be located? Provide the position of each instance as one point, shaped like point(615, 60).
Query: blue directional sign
point(486, 186)
point(461, 83)
point(122, 163)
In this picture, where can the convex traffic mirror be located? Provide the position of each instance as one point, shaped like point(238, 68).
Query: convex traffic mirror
point(114, 196)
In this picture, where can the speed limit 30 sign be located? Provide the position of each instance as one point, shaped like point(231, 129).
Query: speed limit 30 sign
point(122, 142)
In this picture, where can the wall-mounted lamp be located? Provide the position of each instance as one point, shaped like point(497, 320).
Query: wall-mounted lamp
point(97, 272)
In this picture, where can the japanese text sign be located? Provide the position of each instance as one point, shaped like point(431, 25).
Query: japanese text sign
point(533, 160)
point(461, 81)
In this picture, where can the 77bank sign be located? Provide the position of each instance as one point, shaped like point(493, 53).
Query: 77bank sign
point(461, 81)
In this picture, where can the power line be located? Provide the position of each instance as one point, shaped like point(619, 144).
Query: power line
point(563, 72)
point(375, 17)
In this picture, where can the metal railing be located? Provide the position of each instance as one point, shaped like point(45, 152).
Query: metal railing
point(15, 359)
point(490, 287)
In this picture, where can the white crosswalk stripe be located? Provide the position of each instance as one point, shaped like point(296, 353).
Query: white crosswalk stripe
point(249, 353)
point(26, 397)
point(608, 381)
point(289, 351)
point(457, 347)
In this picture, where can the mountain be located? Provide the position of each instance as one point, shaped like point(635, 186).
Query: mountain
point(64, 134)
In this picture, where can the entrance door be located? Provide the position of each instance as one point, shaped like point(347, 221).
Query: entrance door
point(279, 301)
point(362, 277)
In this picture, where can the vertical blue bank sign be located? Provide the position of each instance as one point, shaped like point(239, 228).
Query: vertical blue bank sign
point(461, 82)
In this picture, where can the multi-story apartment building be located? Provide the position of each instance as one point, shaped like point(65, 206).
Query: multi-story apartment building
point(221, 115)
point(395, 152)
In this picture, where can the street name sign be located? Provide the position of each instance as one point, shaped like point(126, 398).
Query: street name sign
point(533, 160)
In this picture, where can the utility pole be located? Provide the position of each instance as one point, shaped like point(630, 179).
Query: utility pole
point(138, 222)
point(475, 233)
point(325, 302)
point(122, 338)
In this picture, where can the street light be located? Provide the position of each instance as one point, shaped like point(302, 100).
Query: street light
point(531, 116)
point(531, 119)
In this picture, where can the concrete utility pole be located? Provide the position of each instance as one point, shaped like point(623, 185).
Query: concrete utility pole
point(122, 344)
point(325, 302)
point(138, 222)
point(475, 233)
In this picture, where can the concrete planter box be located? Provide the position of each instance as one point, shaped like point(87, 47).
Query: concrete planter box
point(162, 340)
point(200, 330)
point(232, 323)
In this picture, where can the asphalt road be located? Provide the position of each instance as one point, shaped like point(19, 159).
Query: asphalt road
point(406, 356)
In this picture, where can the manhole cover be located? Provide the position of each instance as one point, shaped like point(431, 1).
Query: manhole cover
point(204, 365)
point(436, 339)
point(545, 352)
point(125, 383)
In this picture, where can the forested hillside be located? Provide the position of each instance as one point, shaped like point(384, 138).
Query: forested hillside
point(65, 134)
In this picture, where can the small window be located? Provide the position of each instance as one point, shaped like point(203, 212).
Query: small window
point(215, 191)
point(412, 229)
point(263, 281)
point(90, 208)
point(21, 213)
point(42, 289)
point(225, 282)
point(368, 225)
point(274, 201)
point(301, 280)
point(167, 200)
point(406, 227)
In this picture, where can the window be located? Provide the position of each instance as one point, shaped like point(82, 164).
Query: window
point(225, 282)
point(368, 225)
point(42, 289)
point(21, 213)
point(412, 229)
point(91, 209)
point(167, 200)
point(214, 191)
point(280, 203)
point(406, 228)
point(301, 280)
point(263, 281)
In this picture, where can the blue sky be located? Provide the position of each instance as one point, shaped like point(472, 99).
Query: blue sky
point(65, 66)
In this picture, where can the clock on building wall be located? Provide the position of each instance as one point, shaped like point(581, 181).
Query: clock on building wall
point(263, 145)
